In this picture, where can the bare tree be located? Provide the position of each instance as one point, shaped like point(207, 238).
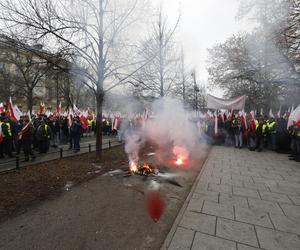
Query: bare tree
point(92, 29)
point(159, 77)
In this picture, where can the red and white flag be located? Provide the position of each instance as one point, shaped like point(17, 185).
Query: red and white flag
point(294, 117)
point(1, 134)
point(252, 121)
point(1, 108)
point(25, 128)
point(82, 116)
point(11, 111)
point(58, 108)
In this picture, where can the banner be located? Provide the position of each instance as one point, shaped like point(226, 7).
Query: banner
point(237, 103)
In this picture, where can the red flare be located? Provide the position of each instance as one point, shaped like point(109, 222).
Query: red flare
point(155, 205)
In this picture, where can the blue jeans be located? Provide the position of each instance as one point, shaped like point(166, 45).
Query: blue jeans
point(238, 139)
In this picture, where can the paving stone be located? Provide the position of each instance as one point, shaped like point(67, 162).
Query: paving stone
point(282, 189)
point(271, 176)
point(244, 247)
point(262, 180)
point(269, 196)
point(195, 205)
point(242, 178)
point(182, 239)
point(236, 231)
point(201, 186)
point(215, 180)
point(275, 240)
point(228, 181)
point(250, 173)
point(253, 217)
point(220, 188)
point(207, 242)
point(257, 170)
point(245, 192)
point(256, 186)
point(233, 200)
point(206, 195)
point(266, 206)
point(295, 199)
point(286, 224)
point(217, 209)
point(199, 222)
point(291, 210)
point(293, 178)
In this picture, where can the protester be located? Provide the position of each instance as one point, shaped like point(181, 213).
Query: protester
point(43, 136)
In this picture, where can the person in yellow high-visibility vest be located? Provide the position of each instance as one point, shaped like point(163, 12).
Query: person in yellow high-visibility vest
point(272, 129)
point(7, 137)
point(259, 134)
point(90, 125)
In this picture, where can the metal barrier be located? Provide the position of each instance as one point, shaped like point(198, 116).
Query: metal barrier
point(61, 154)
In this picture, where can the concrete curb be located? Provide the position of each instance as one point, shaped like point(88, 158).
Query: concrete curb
point(170, 235)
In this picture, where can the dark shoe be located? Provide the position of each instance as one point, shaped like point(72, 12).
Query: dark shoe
point(292, 159)
point(240, 147)
point(2, 157)
point(26, 160)
point(33, 157)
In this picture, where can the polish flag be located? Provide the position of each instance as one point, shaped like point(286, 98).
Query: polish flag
point(1, 134)
point(17, 112)
point(11, 110)
point(294, 117)
point(82, 116)
point(1, 108)
point(58, 108)
point(25, 128)
point(252, 122)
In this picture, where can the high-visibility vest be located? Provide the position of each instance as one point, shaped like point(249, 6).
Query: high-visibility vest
point(264, 128)
point(271, 127)
point(90, 122)
point(8, 129)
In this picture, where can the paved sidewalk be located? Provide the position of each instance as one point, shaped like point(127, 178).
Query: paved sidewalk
point(242, 200)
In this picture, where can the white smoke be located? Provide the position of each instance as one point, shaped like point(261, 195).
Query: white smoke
point(170, 130)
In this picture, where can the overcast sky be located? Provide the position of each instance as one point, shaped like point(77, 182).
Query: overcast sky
point(203, 24)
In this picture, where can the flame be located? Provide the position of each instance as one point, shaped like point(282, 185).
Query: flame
point(133, 167)
point(179, 161)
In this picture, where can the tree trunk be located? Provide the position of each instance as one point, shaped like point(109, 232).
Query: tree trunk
point(99, 104)
point(30, 101)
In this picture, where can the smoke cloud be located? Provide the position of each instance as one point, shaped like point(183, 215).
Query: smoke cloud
point(169, 130)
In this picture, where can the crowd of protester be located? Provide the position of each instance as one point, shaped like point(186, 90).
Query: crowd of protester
point(39, 133)
point(262, 133)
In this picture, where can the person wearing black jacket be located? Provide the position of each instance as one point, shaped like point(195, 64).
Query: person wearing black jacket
point(76, 130)
point(259, 135)
point(27, 134)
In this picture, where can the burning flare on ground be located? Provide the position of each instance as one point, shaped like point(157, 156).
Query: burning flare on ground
point(179, 161)
point(181, 154)
point(133, 167)
point(142, 169)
